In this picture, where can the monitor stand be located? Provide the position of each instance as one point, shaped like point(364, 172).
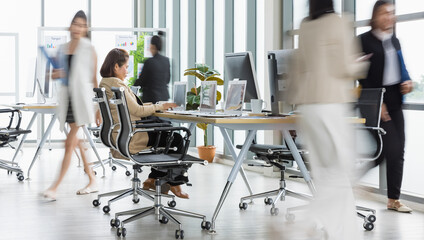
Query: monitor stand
point(41, 92)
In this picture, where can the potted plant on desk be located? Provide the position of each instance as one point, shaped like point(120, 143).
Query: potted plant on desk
point(204, 73)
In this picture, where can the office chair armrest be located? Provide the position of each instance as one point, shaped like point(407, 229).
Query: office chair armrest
point(8, 110)
point(145, 121)
point(152, 125)
point(13, 111)
point(378, 129)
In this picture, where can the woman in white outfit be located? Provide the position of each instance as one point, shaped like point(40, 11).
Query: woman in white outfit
point(78, 61)
point(325, 68)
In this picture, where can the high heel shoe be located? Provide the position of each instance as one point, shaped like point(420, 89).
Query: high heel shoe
point(149, 184)
point(176, 190)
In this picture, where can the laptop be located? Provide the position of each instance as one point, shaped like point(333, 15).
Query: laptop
point(233, 105)
point(180, 95)
point(207, 100)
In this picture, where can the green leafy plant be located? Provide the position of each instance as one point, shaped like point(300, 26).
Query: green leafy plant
point(204, 73)
point(138, 57)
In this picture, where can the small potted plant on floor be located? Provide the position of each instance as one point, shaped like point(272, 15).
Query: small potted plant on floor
point(204, 73)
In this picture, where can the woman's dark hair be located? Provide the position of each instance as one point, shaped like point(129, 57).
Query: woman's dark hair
point(115, 56)
point(317, 8)
point(375, 9)
point(157, 41)
point(79, 14)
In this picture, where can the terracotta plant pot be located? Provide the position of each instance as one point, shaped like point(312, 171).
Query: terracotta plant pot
point(207, 153)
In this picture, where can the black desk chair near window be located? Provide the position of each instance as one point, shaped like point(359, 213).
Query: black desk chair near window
point(106, 137)
point(10, 134)
point(105, 132)
point(174, 164)
point(369, 107)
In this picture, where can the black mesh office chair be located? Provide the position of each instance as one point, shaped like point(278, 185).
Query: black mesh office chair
point(105, 132)
point(162, 159)
point(105, 135)
point(278, 156)
point(10, 134)
point(368, 106)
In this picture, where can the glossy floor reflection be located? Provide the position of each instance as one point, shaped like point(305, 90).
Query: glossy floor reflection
point(25, 215)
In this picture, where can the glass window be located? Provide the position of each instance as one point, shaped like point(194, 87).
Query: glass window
point(414, 166)
point(26, 27)
point(155, 14)
point(7, 63)
point(59, 13)
point(219, 26)
point(411, 40)
point(361, 30)
point(364, 9)
point(300, 11)
point(240, 11)
point(200, 50)
point(184, 38)
point(409, 6)
point(110, 13)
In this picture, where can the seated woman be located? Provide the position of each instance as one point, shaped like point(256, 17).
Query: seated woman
point(113, 72)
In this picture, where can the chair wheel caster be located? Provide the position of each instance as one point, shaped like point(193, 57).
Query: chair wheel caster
point(268, 201)
point(114, 222)
point(368, 226)
point(106, 209)
point(290, 217)
point(128, 173)
point(121, 231)
point(206, 225)
point(243, 206)
point(164, 220)
point(274, 211)
point(20, 177)
point(172, 203)
point(113, 168)
point(371, 218)
point(136, 200)
point(179, 234)
point(96, 202)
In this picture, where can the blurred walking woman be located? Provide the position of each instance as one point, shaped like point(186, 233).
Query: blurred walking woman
point(324, 73)
point(77, 59)
point(387, 70)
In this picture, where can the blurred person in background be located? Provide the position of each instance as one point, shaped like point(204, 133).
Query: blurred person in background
point(156, 73)
point(388, 70)
point(78, 62)
point(325, 68)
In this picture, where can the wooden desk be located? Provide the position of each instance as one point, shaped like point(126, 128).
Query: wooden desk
point(44, 108)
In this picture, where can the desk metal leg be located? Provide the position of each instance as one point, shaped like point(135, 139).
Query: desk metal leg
point(233, 174)
point(295, 152)
point(43, 140)
point(90, 140)
point(31, 122)
point(232, 150)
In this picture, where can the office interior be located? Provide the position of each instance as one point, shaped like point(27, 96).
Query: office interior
point(196, 31)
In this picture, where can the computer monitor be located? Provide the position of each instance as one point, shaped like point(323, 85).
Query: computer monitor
point(180, 95)
point(278, 69)
point(208, 96)
point(41, 80)
point(240, 66)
